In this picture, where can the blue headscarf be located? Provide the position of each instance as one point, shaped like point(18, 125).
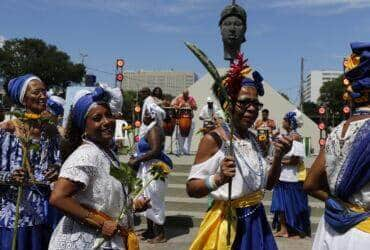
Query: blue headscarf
point(256, 82)
point(17, 87)
point(294, 118)
point(55, 105)
point(83, 104)
point(360, 75)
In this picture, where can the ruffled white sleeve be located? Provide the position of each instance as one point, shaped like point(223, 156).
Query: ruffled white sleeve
point(206, 168)
point(79, 167)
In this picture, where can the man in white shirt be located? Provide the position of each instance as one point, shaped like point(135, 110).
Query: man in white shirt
point(208, 112)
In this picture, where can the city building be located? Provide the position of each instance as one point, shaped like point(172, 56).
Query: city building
point(314, 80)
point(171, 82)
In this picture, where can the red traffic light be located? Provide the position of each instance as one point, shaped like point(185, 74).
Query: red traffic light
point(120, 63)
point(137, 124)
point(321, 126)
point(322, 110)
point(119, 77)
point(322, 141)
point(346, 110)
point(137, 109)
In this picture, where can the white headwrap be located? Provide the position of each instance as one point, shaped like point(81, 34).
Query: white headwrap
point(156, 113)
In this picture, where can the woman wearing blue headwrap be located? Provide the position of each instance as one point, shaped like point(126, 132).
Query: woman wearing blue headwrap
point(246, 169)
point(289, 201)
point(89, 196)
point(34, 229)
point(340, 175)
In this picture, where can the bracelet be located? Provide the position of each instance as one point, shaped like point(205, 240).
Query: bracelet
point(210, 183)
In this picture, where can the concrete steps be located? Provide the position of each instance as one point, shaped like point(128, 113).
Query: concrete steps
point(181, 210)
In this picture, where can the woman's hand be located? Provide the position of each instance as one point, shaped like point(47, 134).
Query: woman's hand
point(141, 204)
point(109, 228)
point(133, 162)
point(282, 146)
point(227, 171)
point(18, 176)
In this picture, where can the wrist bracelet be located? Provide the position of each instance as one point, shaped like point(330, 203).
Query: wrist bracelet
point(210, 183)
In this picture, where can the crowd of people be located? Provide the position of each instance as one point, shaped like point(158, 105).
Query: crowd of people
point(57, 190)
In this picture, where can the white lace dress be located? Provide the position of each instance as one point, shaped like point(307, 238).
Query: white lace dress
point(326, 238)
point(90, 166)
point(251, 170)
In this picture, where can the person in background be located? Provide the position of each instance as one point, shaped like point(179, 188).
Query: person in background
point(157, 94)
point(340, 175)
point(289, 201)
point(184, 101)
point(150, 150)
point(34, 229)
point(208, 111)
point(265, 122)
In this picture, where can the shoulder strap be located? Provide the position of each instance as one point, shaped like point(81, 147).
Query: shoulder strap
point(217, 138)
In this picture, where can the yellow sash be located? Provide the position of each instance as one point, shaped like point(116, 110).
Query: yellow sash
point(363, 225)
point(213, 230)
point(302, 172)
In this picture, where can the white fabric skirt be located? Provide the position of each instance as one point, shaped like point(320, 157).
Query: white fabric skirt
point(156, 191)
point(327, 239)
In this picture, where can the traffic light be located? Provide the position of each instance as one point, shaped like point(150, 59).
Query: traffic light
point(137, 121)
point(322, 126)
point(119, 71)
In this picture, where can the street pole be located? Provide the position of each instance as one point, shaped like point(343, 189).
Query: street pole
point(301, 85)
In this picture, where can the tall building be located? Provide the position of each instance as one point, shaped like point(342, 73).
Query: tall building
point(171, 82)
point(315, 80)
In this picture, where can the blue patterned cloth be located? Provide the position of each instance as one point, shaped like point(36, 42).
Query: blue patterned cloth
point(253, 230)
point(355, 174)
point(290, 199)
point(34, 207)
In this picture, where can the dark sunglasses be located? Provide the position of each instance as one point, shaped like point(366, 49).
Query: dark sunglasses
point(247, 102)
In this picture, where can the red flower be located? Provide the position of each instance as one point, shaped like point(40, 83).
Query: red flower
point(234, 77)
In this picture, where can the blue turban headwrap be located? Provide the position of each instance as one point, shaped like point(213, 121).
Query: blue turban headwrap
point(256, 82)
point(291, 118)
point(83, 104)
point(55, 105)
point(17, 87)
point(360, 75)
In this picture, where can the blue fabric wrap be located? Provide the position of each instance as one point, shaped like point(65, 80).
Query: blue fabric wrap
point(29, 238)
point(83, 104)
point(55, 108)
point(290, 116)
point(362, 70)
point(143, 147)
point(15, 87)
point(290, 199)
point(255, 82)
point(355, 174)
point(339, 217)
point(359, 47)
point(253, 231)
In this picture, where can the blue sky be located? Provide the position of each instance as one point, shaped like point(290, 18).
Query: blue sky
point(149, 34)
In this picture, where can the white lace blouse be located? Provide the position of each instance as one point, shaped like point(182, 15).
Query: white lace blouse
point(90, 166)
point(251, 170)
point(336, 155)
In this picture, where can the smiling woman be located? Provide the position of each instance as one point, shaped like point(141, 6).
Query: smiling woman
point(34, 220)
point(86, 192)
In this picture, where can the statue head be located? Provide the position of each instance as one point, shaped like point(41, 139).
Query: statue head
point(233, 25)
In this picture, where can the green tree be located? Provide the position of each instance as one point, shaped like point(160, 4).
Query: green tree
point(29, 55)
point(129, 101)
point(311, 110)
point(331, 97)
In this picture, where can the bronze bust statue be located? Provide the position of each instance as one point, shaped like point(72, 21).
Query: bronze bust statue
point(233, 25)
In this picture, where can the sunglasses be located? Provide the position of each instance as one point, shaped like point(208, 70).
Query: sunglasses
point(247, 102)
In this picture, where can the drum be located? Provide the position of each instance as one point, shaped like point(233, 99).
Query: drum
point(169, 121)
point(186, 116)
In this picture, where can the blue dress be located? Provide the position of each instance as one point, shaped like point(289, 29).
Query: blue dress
point(37, 217)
